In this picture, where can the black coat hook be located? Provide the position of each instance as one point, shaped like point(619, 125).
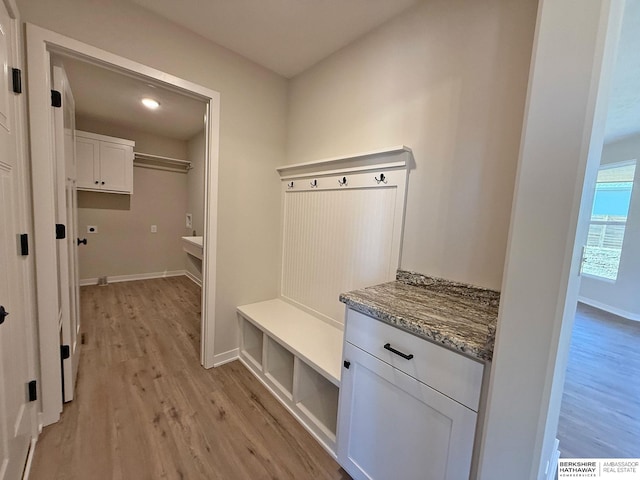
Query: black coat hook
point(342, 182)
point(382, 179)
point(314, 183)
point(290, 185)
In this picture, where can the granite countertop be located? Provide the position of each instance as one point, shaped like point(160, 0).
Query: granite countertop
point(455, 315)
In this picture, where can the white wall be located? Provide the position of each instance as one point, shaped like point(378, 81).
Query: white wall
point(145, 142)
point(447, 78)
point(124, 244)
point(252, 134)
point(621, 297)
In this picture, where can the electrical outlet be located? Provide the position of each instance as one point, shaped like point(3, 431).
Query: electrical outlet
point(189, 221)
point(154, 229)
point(92, 229)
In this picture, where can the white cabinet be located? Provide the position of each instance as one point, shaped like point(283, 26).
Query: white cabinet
point(104, 163)
point(391, 424)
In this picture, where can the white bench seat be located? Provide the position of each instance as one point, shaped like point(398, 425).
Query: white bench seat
point(317, 343)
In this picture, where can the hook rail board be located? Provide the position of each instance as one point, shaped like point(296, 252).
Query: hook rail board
point(391, 157)
point(342, 227)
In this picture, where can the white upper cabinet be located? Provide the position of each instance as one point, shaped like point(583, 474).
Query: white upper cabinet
point(104, 163)
point(87, 162)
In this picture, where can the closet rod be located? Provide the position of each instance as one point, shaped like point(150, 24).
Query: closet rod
point(160, 167)
point(160, 159)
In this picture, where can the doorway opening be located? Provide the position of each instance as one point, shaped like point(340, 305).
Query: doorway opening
point(600, 415)
point(43, 47)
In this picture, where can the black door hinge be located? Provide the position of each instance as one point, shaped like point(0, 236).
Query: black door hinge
point(56, 98)
point(65, 351)
point(33, 390)
point(347, 364)
point(61, 231)
point(24, 244)
point(17, 80)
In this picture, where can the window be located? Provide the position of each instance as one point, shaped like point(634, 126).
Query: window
point(608, 220)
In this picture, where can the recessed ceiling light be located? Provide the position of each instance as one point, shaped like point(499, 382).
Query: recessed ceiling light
point(150, 103)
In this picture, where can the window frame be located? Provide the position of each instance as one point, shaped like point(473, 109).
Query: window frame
point(608, 166)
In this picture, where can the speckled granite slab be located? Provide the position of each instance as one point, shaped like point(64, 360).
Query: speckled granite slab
point(457, 316)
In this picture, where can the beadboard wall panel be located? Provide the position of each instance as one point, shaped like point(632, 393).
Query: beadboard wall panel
point(335, 241)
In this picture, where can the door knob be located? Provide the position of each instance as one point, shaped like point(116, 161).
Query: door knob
point(3, 314)
point(83, 241)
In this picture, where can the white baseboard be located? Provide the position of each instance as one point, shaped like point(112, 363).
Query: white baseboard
point(226, 357)
point(131, 278)
point(552, 464)
point(27, 465)
point(193, 278)
point(608, 308)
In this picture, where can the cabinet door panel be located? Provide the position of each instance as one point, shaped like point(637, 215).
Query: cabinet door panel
point(115, 166)
point(87, 167)
point(393, 426)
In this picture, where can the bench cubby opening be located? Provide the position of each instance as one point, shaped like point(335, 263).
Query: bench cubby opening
point(252, 344)
point(279, 367)
point(317, 398)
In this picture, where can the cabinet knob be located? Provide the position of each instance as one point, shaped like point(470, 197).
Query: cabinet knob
point(102, 183)
point(96, 182)
point(347, 364)
point(3, 314)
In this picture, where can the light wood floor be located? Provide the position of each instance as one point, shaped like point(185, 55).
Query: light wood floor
point(146, 409)
point(600, 413)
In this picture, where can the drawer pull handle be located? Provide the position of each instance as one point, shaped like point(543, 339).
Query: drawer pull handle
point(388, 346)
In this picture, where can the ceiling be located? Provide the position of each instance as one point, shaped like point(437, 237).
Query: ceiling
point(623, 116)
point(288, 36)
point(285, 36)
point(113, 97)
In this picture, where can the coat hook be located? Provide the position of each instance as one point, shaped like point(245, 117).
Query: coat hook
point(342, 182)
point(290, 184)
point(382, 179)
point(314, 184)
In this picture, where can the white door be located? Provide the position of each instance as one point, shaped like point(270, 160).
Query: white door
point(16, 412)
point(66, 213)
point(390, 425)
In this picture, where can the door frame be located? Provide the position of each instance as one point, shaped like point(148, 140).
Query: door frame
point(562, 136)
point(40, 44)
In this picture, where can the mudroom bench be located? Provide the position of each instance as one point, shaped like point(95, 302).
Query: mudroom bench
point(297, 357)
point(341, 230)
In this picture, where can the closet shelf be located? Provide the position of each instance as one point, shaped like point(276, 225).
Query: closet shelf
point(399, 156)
point(147, 160)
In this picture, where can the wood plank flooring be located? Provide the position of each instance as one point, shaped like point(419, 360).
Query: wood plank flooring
point(146, 409)
point(600, 413)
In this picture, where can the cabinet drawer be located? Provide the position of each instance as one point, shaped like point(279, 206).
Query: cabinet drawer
point(450, 373)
